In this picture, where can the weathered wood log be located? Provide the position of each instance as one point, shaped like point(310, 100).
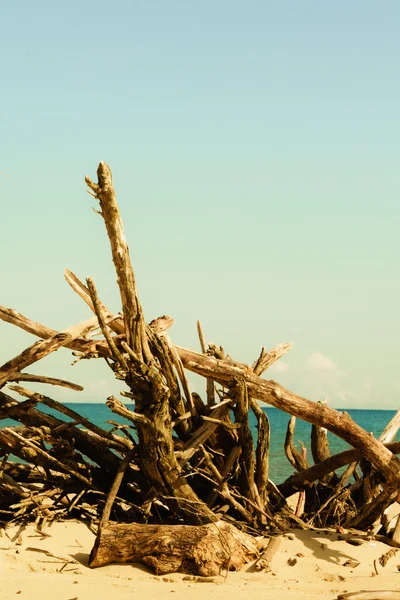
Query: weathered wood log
point(200, 550)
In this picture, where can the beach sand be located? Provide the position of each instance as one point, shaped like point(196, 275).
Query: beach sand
point(28, 572)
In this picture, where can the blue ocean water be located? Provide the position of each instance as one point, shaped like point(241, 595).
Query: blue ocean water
point(373, 421)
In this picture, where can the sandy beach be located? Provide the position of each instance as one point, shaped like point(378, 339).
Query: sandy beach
point(308, 564)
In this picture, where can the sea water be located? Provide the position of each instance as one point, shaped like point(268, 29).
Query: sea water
point(373, 421)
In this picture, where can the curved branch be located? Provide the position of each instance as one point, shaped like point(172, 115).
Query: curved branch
point(300, 481)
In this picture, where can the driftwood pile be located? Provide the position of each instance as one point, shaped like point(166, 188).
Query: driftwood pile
point(180, 461)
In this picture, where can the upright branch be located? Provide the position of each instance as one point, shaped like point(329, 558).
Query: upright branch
point(132, 310)
point(246, 441)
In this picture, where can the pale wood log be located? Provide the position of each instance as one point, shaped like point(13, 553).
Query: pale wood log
point(203, 550)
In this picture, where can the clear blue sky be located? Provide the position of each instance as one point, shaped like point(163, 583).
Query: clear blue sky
point(255, 151)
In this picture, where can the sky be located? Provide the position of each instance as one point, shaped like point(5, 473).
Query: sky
point(255, 150)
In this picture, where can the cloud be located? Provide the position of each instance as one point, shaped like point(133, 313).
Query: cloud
point(321, 363)
point(279, 367)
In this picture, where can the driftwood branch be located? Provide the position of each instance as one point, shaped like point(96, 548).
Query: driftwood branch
point(133, 316)
point(175, 459)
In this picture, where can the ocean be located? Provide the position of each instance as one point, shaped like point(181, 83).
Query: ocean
point(373, 421)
